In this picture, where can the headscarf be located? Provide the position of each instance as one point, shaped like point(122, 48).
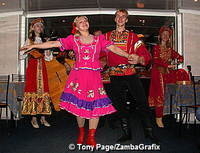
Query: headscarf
point(165, 28)
point(74, 30)
point(38, 20)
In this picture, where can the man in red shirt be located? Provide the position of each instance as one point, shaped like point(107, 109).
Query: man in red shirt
point(122, 74)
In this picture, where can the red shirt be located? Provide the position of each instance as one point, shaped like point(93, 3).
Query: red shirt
point(129, 42)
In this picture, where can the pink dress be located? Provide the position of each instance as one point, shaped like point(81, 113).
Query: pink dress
point(84, 94)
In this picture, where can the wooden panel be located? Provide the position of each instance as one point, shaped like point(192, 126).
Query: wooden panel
point(191, 35)
point(9, 36)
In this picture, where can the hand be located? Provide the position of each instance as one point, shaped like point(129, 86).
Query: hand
point(133, 59)
point(68, 68)
point(103, 61)
point(27, 48)
point(141, 60)
point(172, 66)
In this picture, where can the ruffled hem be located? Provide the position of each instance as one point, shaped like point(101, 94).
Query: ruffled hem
point(84, 104)
point(88, 114)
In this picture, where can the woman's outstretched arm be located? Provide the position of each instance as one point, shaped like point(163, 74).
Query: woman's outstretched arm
point(45, 45)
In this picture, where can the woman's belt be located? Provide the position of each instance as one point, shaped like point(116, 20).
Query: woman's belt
point(87, 68)
point(162, 69)
point(122, 69)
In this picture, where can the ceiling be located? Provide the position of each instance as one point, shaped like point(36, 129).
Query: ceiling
point(35, 5)
point(61, 25)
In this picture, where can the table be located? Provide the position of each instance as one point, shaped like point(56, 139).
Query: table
point(16, 89)
point(180, 95)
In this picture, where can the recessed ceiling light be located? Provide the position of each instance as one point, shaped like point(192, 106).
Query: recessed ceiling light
point(140, 5)
point(3, 3)
point(195, 0)
point(142, 21)
point(63, 20)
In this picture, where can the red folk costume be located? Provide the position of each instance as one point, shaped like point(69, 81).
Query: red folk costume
point(161, 75)
point(123, 75)
point(129, 42)
point(36, 98)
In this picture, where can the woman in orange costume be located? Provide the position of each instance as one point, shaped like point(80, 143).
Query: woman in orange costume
point(58, 69)
point(56, 79)
point(163, 72)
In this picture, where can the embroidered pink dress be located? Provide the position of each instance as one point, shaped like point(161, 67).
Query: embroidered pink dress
point(84, 95)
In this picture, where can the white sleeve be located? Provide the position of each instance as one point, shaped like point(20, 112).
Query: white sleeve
point(22, 56)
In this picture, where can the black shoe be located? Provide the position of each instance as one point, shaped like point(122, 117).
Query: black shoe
point(126, 131)
point(198, 146)
point(124, 138)
point(148, 132)
point(113, 124)
point(113, 121)
point(102, 122)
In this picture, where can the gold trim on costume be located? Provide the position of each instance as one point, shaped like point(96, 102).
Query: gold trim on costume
point(122, 69)
point(40, 85)
point(34, 104)
point(158, 101)
point(138, 44)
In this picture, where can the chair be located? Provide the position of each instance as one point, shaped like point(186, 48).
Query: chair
point(186, 116)
point(5, 81)
point(193, 106)
point(18, 78)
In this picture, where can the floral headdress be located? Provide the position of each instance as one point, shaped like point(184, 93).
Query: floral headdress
point(165, 28)
point(74, 30)
point(38, 20)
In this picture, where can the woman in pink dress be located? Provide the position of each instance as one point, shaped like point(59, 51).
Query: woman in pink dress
point(84, 95)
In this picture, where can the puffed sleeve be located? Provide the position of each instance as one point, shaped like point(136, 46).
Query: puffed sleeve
point(140, 49)
point(177, 56)
point(67, 43)
point(104, 43)
point(22, 54)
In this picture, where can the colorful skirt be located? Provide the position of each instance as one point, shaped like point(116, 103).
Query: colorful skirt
point(36, 98)
point(84, 95)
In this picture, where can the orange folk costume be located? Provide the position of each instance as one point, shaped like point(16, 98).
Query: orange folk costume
point(56, 79)
point(36, 98)
point(161, 75)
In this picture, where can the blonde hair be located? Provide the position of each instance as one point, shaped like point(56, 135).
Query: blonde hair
point(76, 19)
point(76, 32)
point(123, 11)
